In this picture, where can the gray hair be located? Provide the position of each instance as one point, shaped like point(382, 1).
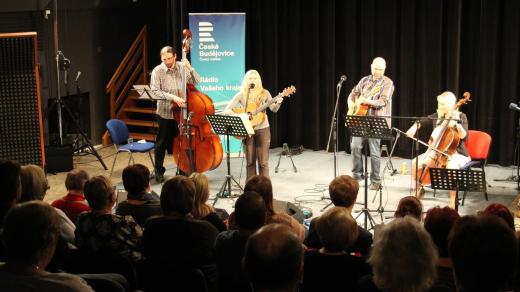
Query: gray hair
point(403, 257)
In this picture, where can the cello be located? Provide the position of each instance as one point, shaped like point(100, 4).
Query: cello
point(196, 148)
point(443, 143)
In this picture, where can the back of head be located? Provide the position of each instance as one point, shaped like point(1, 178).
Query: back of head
point(10, 186)
point(136, 178)
point(406, 247)
point(273, 258)
point(484, 252)
point(502, 212)
point(411, 206)
point(99, 192)
point(31, 230)
point(262, 185)
point(201, 195)
point(177, 195)
point(337, 229)
point(76, 180)
point(34, 183)
point(343, 191)
point(250, 211)
point(438, 222)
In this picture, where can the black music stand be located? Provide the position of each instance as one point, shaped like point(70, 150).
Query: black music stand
point(368, 127)
point(458, 180)
point(229, 126)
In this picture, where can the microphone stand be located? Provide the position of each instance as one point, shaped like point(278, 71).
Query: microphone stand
point(333, 134)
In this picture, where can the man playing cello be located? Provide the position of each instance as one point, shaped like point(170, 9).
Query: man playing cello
point(458, 123)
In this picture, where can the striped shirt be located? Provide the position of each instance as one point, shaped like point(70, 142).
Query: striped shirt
point(380, 91)
point(167, 83)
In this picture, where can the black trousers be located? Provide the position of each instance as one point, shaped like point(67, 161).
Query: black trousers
point(168, 130)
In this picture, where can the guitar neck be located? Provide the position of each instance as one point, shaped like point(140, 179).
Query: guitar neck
point(265, 105)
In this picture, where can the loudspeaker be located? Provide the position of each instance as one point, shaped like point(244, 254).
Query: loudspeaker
point(289, 208)
point(21, 131)
point(79, 106)
point(59, 158)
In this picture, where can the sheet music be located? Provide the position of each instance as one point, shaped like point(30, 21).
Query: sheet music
point(145, 92)
point(247, 123)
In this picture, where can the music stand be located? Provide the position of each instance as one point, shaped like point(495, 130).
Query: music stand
point(229, 126)
point(368, 127)
point(458, 180)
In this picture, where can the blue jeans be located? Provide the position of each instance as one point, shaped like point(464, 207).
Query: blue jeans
point(356, 147)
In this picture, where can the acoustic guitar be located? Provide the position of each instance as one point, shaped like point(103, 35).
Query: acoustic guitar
point(257, 112)
point(359, 108)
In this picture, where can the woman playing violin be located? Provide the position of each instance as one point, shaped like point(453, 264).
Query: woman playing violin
point(446, 109)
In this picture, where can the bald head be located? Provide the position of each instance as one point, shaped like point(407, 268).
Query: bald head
point(378, 67)
point(273, 258)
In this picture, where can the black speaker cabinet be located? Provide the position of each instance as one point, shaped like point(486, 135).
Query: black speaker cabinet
point(59, 158)
point(21, 131)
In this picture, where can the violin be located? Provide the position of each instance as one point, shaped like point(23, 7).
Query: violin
point(442, 144)
point(196, 148)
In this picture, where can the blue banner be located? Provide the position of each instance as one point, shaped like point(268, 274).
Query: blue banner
point(218, 55)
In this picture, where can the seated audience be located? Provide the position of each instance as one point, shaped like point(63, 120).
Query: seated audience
point(262, 185)
point(502, 212)
point(74, 202)
point(141, 202)
point(10, 186)
point(30, 235)
point(201, 210)
point(484, 253)
point(101, 232)
point(331, 268)
point(409, 206)
point(177, 238)
point(343, 191)
point(403, 259)
point(438, 222)
point(229, 246)
point(34, 183)
point(273, 259)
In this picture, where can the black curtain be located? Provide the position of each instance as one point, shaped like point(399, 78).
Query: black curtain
point(430, 47)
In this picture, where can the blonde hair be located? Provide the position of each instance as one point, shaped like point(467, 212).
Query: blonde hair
point(256, 92)
point(34, 183)
point(201, 195)
point(447, 98)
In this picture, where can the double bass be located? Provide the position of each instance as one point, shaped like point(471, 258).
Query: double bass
point(442, 144)
point(196, 148)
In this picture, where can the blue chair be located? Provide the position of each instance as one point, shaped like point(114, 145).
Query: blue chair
point(119, 135)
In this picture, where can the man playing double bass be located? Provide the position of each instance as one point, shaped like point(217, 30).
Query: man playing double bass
point(459, 122)
point(166, 82)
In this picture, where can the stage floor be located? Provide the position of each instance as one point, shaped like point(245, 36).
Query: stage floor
point(308, 187)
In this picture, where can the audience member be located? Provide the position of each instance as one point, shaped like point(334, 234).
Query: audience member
point(273, 259)
point(403, 259)
point(141, 202)
point(250, 214)
point(30, 235)
point(409, 206)
point(331, 268)
point(201, 210)
point(343, 191)
point(74, 202)
point(438, 222)
point(484, 253)
point(176, 237)
point(99, 231)
point(262, 185)
point(10, 186)
point(502, 212)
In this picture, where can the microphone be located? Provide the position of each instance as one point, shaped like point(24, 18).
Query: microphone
point(342, 79)
point(77, 76)
point(251, 85)
point(514, 106)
